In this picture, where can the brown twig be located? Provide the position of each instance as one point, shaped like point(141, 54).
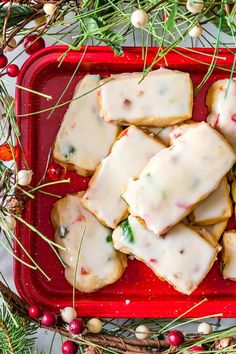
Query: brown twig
point(4, 177)
point(4, 29)
point(127, 345)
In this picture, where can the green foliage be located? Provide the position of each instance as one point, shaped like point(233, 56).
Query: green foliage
point(16, 334)
point(95, 28)
point(18, 14)
point(170, 24)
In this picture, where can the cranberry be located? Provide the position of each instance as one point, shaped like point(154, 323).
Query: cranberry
point(69, 347)
point(12, 70)
point(197, 348)
point(175, 338)
point(76, 326)
point(55, 172)
point(48, 319)
point(33, 43)
point(34, 312)
point(3, 61)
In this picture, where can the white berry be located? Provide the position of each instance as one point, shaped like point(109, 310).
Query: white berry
point(142, 332)
point(68, 314)
point(195, 6)
point(49, 9)
point(11, 45)
point(24, 177)
point(139, 18)
point(204, 328)
point(196, 31)
point(10, 223)
point(94, 325)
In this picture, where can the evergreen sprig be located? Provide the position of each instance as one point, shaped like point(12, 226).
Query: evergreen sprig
point(17, 335)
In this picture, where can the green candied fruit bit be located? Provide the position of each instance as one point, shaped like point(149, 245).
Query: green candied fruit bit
point(127, 231)
point(68, 151)
point(195, 183)
point(63, 231)
point(109, 238)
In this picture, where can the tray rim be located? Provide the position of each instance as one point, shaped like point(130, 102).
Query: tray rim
point(143, 309)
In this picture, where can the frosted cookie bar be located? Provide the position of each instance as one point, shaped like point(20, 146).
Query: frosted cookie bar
point(164, 97)
point(228, 267)
point(130, 153)
point(202, 231)
point(215, 208)
point(84, 138)
point(178, 177)
point(221, 105)
point(217, 230)
point(76, 228)
point(182, 257)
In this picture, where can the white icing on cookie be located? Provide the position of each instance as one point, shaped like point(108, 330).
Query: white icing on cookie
point(220, 100)
point(229, 255)
point(182, 257)
point(84, 138)
point(177, 178)
point(88, 241)
point(163, 98)
point(128, 156)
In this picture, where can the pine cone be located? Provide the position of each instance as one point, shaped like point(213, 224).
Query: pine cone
point(92, 350)
point(224, 343)
point(15, 205)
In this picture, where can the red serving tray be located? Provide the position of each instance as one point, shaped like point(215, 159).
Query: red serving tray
point(139, 293)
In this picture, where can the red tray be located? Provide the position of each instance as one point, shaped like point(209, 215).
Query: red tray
point(138, 293)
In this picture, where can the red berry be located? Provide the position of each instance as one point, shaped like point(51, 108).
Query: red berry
point(69, 347)
point(48, 319)
point(76, 326)
point(12, 70)
point(34, 312)
point(3, 61)
point(175, 338)
point(197, 348)
point(55, 172)
point(33, 43)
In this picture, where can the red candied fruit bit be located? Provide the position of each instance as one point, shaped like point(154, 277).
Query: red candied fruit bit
point(81, 218)
point(217, 121)
point(233, 117)
point(231, 224)
point(153, 260)
point(183, 205)
point(83, 271)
